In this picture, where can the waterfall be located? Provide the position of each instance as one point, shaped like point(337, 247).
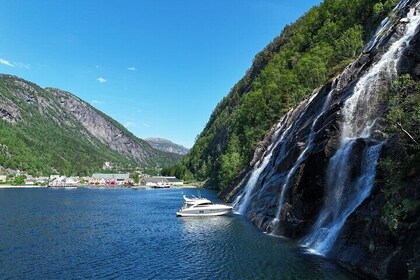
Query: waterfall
point(300, 159)
point(242, 201)
point(344, 193)
point(383, 27)
point(282, 136)
point(350, 172)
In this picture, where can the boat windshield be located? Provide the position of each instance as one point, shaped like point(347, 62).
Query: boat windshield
point(204, 204)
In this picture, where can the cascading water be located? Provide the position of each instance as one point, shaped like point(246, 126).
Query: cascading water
point(350, 172)
point(299, 161)
point(383, 28)
point(283, 135)
point(344, 193)
point(242, 201)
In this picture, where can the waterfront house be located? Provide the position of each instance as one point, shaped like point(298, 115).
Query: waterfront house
point(94, 181)
point(41, 180)
point(54, 177)
point(152, 181)
point(29, 181)
point(128, 182)
point(3, 178)
point(72, 181)
point(173, 181)
point(57, 181)
point(111, 179)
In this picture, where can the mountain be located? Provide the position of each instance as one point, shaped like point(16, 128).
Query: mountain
point(319, 141)
point(45, 131)
point(166, 145)
point(307, 54)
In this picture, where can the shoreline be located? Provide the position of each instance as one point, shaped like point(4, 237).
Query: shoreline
point(94, 187)
point(20, 187)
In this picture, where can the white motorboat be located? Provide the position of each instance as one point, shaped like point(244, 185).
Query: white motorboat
point(202, 207)
point(194, 199)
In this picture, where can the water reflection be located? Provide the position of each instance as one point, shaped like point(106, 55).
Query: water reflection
point(136, 235)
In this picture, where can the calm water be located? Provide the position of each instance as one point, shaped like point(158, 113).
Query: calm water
point(119, 233)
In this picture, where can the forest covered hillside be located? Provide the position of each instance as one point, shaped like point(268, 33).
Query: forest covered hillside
point(307, 54)
point(319, 142)
point(46, 131)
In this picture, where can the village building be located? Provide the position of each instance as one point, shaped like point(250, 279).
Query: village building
point(109, 179)
point(3, 178)
point(152, 181)
point(41, 180)
point(173, 181)
point(72, 181)
point(29, 181)
point(57, 181)
point(53, 177)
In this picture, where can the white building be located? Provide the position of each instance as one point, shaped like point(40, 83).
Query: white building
point(3, 178)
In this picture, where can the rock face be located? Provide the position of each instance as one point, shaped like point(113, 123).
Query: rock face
point(104, 128)
point(26, 108)
point(166, 146)
point(312, 178)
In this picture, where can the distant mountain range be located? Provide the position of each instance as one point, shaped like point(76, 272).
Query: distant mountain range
point(166, 146)
point(47, 130)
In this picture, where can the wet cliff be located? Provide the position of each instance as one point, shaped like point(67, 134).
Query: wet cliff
point(314, 177)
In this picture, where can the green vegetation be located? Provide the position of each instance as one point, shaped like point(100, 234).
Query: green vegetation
point(19, 180)
point(46, 140)
point(401, 169)
point(135, 177)
point(307, 54)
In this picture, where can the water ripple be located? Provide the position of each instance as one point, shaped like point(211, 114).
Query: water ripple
point(110, 234)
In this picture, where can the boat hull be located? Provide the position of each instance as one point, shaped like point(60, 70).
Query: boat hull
point(209, 214)
point(214, 210)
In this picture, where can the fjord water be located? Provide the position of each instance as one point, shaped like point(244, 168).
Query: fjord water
point(121, 233)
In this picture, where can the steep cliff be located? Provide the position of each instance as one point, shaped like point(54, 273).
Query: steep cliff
point(166, 145)
point(307, 54)
point(313, 178)
point(45, 131)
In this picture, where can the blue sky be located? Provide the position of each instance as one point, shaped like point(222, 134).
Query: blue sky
point(158, 67)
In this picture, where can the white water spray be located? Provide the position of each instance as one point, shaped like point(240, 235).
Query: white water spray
point(283, 136)
point(242, 201)
point(344, 194)
point(303, 155)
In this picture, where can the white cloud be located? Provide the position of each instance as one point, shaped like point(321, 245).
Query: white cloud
point(6, 62)
point(129, 124)
point(145, 124)
point(22, 65)
point(101, 80)
point(95, 102)
point(132, 68)
point(15, 64)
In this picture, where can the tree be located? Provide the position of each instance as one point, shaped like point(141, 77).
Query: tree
point(378, 8)
point(19, 180)
point(350, 43)
point(135, 177)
